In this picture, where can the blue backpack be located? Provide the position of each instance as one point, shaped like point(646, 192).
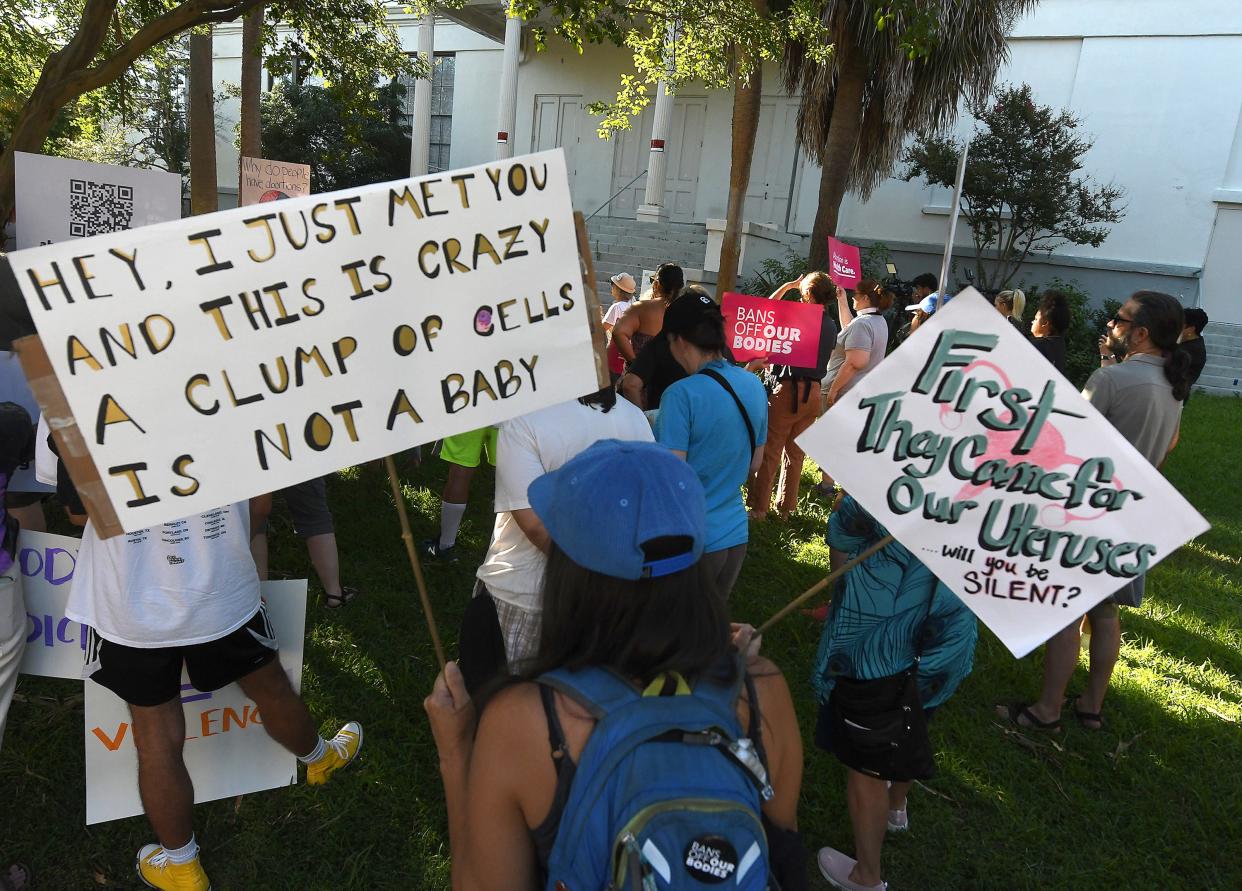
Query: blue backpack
point(667, 790)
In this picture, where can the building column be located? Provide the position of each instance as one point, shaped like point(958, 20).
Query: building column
point(506, 121)
point(420, 123)
point(652, 209)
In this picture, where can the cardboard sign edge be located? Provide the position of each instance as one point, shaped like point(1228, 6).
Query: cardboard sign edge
point(68, 435)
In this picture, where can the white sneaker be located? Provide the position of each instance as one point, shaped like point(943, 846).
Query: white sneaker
point(836, 868)
point(898, 821)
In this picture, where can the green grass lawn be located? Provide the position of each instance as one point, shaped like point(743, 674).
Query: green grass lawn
point(1153, 801)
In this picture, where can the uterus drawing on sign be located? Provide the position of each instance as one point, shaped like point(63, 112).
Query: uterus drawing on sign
point(1006, 469)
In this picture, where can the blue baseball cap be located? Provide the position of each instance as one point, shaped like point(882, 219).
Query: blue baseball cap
point(927, 304)
point(604, 504)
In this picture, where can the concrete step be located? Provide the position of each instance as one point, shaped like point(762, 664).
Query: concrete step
point(1217, 383)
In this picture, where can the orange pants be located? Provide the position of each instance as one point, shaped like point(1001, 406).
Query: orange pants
point(792, 407)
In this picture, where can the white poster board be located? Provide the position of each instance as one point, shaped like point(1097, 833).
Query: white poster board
point(54, 644)
point(58, 199)
point(987, 464)
point(227, 751)
point(219, 357)
point(263, 180)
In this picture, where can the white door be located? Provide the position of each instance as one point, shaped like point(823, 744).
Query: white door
point(771, 168)
point(684, 148)
point(559, 122)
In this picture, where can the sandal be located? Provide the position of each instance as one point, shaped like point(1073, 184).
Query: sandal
point(1086, 720)
point(16, 877)
point(336, 601)
point(1018, 713)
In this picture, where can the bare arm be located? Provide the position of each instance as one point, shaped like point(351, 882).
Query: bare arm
point(845, 315)
point(784, 289)
point(532, 527)
point(756, 460)
point(627, 326)
point(782, 741)
point(632, 385)
point(855, 361)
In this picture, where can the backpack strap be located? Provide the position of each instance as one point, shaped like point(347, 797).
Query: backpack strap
point(719, 378)
point(597, 690)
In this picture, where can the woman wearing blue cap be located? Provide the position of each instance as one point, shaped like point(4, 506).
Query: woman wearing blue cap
point(595, 766)
point(716, 418)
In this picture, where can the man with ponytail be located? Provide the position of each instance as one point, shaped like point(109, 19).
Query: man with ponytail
point(1142, 397)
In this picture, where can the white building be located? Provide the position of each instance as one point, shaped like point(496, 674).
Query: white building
point(1154, 81)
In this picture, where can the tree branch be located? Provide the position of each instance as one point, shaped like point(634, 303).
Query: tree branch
point(181, 18)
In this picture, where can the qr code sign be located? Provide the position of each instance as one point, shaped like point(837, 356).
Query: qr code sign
point(96, 208)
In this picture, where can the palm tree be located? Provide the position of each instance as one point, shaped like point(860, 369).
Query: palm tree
point(251, 83)
point(857, 111)
point(204, 196)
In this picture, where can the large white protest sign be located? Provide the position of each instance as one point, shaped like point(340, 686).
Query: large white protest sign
point(994, 471)
point(227, 751)
point(58, 199)
point(218, 357)
point(54, 644)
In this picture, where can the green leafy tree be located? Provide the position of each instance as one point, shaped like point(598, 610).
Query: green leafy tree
point(898, 68)
point(310, 125)
point(1024, 190)
point(73, 62)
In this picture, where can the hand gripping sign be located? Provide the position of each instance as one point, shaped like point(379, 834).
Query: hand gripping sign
point(989, 466)
point(206, 360)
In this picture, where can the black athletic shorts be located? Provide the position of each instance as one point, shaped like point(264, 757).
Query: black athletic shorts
point(308, 508)
point(148, 677)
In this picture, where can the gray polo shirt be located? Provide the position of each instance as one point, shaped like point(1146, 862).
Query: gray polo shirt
point(866, 331)
point(1138, 399)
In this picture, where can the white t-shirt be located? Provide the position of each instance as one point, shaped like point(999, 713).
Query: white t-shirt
point(187, 582)
point(529, 447)
point(616, 311)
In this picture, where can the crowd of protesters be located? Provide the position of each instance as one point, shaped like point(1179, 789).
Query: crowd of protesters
point(601, 694)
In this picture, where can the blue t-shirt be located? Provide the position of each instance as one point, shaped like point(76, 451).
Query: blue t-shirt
point(699, 417)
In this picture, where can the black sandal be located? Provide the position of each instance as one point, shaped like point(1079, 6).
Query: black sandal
point(336, 601)
point(1017, 712)
point(1086, 720)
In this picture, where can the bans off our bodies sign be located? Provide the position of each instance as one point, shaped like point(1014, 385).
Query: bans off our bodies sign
point(214, 358)
point(995, 472)
point(785, 331)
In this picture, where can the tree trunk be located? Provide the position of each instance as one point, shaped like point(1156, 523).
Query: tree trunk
point(745, 126)
point(252, 84)
point(847, 105)
point(204, 197)
point(746, 105)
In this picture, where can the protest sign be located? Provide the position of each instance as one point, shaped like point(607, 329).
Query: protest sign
point(263, 180)
point(57, 199)
point(996, 473)
point(222, 356)
point(844, 263)
point(227, 751)
point(785, 331)
point(54, 644)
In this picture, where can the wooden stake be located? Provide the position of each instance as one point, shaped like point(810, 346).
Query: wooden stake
point(824, 582)
point(598, 341)
point(412, 552)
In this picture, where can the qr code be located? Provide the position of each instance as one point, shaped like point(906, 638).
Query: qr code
point(96, 208)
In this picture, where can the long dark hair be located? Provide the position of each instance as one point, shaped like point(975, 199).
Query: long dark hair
point(639, 629)
point(605, 398)
point(1164, 320)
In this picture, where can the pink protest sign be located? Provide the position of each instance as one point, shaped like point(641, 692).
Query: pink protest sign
point(845, 263)
point(781, 330)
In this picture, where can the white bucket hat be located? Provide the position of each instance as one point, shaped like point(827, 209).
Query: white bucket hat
point(625, 282)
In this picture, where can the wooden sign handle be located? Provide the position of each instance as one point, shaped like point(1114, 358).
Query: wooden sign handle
point(824, 583)
point(598, 340)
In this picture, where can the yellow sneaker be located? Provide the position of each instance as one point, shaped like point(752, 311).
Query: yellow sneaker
point(156, 871)
point(339, 751)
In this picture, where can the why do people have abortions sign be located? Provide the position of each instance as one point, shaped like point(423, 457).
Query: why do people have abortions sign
point(213, 358)
point(995, 472)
